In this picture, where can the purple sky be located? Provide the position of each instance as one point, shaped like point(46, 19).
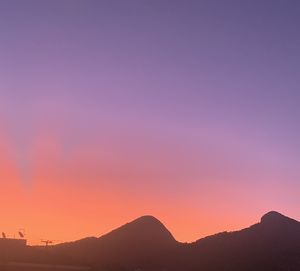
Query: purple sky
point(195, 90)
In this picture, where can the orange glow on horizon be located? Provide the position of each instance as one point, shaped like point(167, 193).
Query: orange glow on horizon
point(89, 194)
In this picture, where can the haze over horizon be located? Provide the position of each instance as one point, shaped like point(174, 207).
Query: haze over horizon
point(110, 110)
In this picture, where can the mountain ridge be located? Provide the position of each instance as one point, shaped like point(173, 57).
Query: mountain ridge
point(272, 244)
point(269, 217)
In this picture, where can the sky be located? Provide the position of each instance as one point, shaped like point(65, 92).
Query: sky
point(110, 110)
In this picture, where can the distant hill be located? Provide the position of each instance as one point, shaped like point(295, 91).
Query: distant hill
point(138, 243)
point(273, 244)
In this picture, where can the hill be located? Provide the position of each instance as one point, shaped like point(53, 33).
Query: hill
point(273, 244)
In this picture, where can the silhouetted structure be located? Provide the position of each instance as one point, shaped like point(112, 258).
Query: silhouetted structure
point(273, 244)
point(11, 244)
point(47, 242)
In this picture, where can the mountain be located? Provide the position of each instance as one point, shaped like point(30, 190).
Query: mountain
point(273, 244)
point(276, 218)
point(138, 243)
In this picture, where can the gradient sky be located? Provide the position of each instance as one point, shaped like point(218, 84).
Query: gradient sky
point(109, 110)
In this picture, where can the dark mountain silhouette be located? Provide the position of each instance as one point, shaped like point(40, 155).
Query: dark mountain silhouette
point(277, 219)
point(137, 243)
point(273, 244)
